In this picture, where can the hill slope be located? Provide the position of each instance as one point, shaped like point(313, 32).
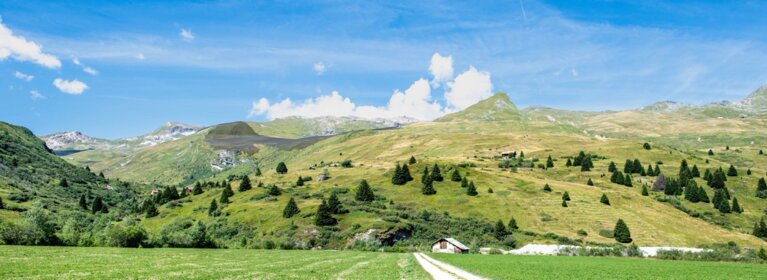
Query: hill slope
point(496, 108)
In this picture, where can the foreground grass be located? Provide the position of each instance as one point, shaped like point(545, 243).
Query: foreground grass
point(550, 267)
point(19, 262)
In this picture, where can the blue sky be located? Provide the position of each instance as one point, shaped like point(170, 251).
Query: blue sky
point(242, 60)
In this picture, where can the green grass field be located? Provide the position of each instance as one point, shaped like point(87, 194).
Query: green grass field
point(19, 262)
point(549, 267)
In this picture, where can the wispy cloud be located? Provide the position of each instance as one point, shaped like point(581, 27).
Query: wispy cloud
point(35, 95)
point(186, 34)
point(73, 87)
point(319, 68)
point(21, 49)
point(22, 76)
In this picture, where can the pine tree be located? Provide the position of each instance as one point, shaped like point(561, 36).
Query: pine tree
point(748, 172)
point(644, 190)
point(364, 192)
point(650, 171)
point(97, 205)
point(274, 190)
point(324, 217)
point(500, 230)
point(579, 159)
point(702, 195)
point(456, 176)
point(546, 188)
point(425, 174)
point(612, 168)
point(569, 163)
point(761, 188)
point(638, 168)
point(717, 180)
point(707, 175)
point(300, 182)
point(334, 204)
point(471, 189)
point(761, 152)
point(412, 160)
point(695, 172)
point(627, 181)
point(428, 188)
point(566, 196)
point(83, 203)
point(564, 203)
point(63, 183)
point(464, 183)
point(225, 194)
point(436, 175)
point(628, 167)
point(691, 192)
point(760, 229)
point(151, 210)
point(762, 253)
point(724, 206)
point(513, 224)
point(489, 190)
point(406, 173)
point(213, 208)
point(258, 172)
point(589, 182)
point(197, 189)
point(281, 168)
point(604, 200)
point(621, 232)
point(646, 146)
point(732, 172)
point(397, 178)
point(710, 152)
point(245, 184)
point(586, 165)
point(736, 206)
point(549, 162)
point(291, 209)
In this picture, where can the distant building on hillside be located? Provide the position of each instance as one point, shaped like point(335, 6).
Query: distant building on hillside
point(450, 246)
point(509, 154)
point(154, 192)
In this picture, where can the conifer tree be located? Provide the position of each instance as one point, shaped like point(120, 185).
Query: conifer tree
point(589, 182)
point(436, 175)
point(151, 210)
point(732, 172)
point(63, 183)
point(760, 229)
point(724, 206)
point(464, 183)
point(650, 171)
point(695, 172)
point(638, 168)
point(291, 209)
point(97, 205)
point(281, 168)
point(274, 190)
point(213, 208)
point(717, 180)
point(627, 181)
point(569, 163)
point(224, 199)
point(546, 188)
point(707, 175)
point(500, 230)
point(621, 232)
point(691, 191)
point(412, 160)
point(748, 172)
point(245, 184)
point(522, 154)
point(334, 204)
point(197, 189)
point(471, 189)
point(579, 159)
point(646, 146)
point(761, 188)
point(586, 164)
point(397, 178)
point(428, 188)
point(710, 152)
point(549, 162)
point(761, 152)
point(564, 203)
point(83, 203)
point(300, 182)
point(644, 190)
point(736, 206)
point(258, 172)
point(456, 176)
point(324, 217)
point(406, 173)
point(425, 174)
point(702, 195)
point(611, 167)
point(604, 200)
point(628, 167)
point(364, 192)
point(513, 224)
point(566, 196)
point(171, 193)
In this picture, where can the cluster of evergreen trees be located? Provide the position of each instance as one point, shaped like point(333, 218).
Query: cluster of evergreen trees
point(619, 178)
point(469, 186)
point(583, 160)
point(760, 229)
point(401, 175)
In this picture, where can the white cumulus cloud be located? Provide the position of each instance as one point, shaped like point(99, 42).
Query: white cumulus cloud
point(140, 56)
point(319, 68)
point(22, 76)
point(91, 71)
point(70, 87)
point(468, 88)
point(20, 49)
point(441, 68)
point(186, 34)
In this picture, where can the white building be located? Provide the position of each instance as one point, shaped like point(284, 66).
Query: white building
point(450, 246)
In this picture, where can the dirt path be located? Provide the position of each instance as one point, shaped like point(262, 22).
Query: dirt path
point(440, 270)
